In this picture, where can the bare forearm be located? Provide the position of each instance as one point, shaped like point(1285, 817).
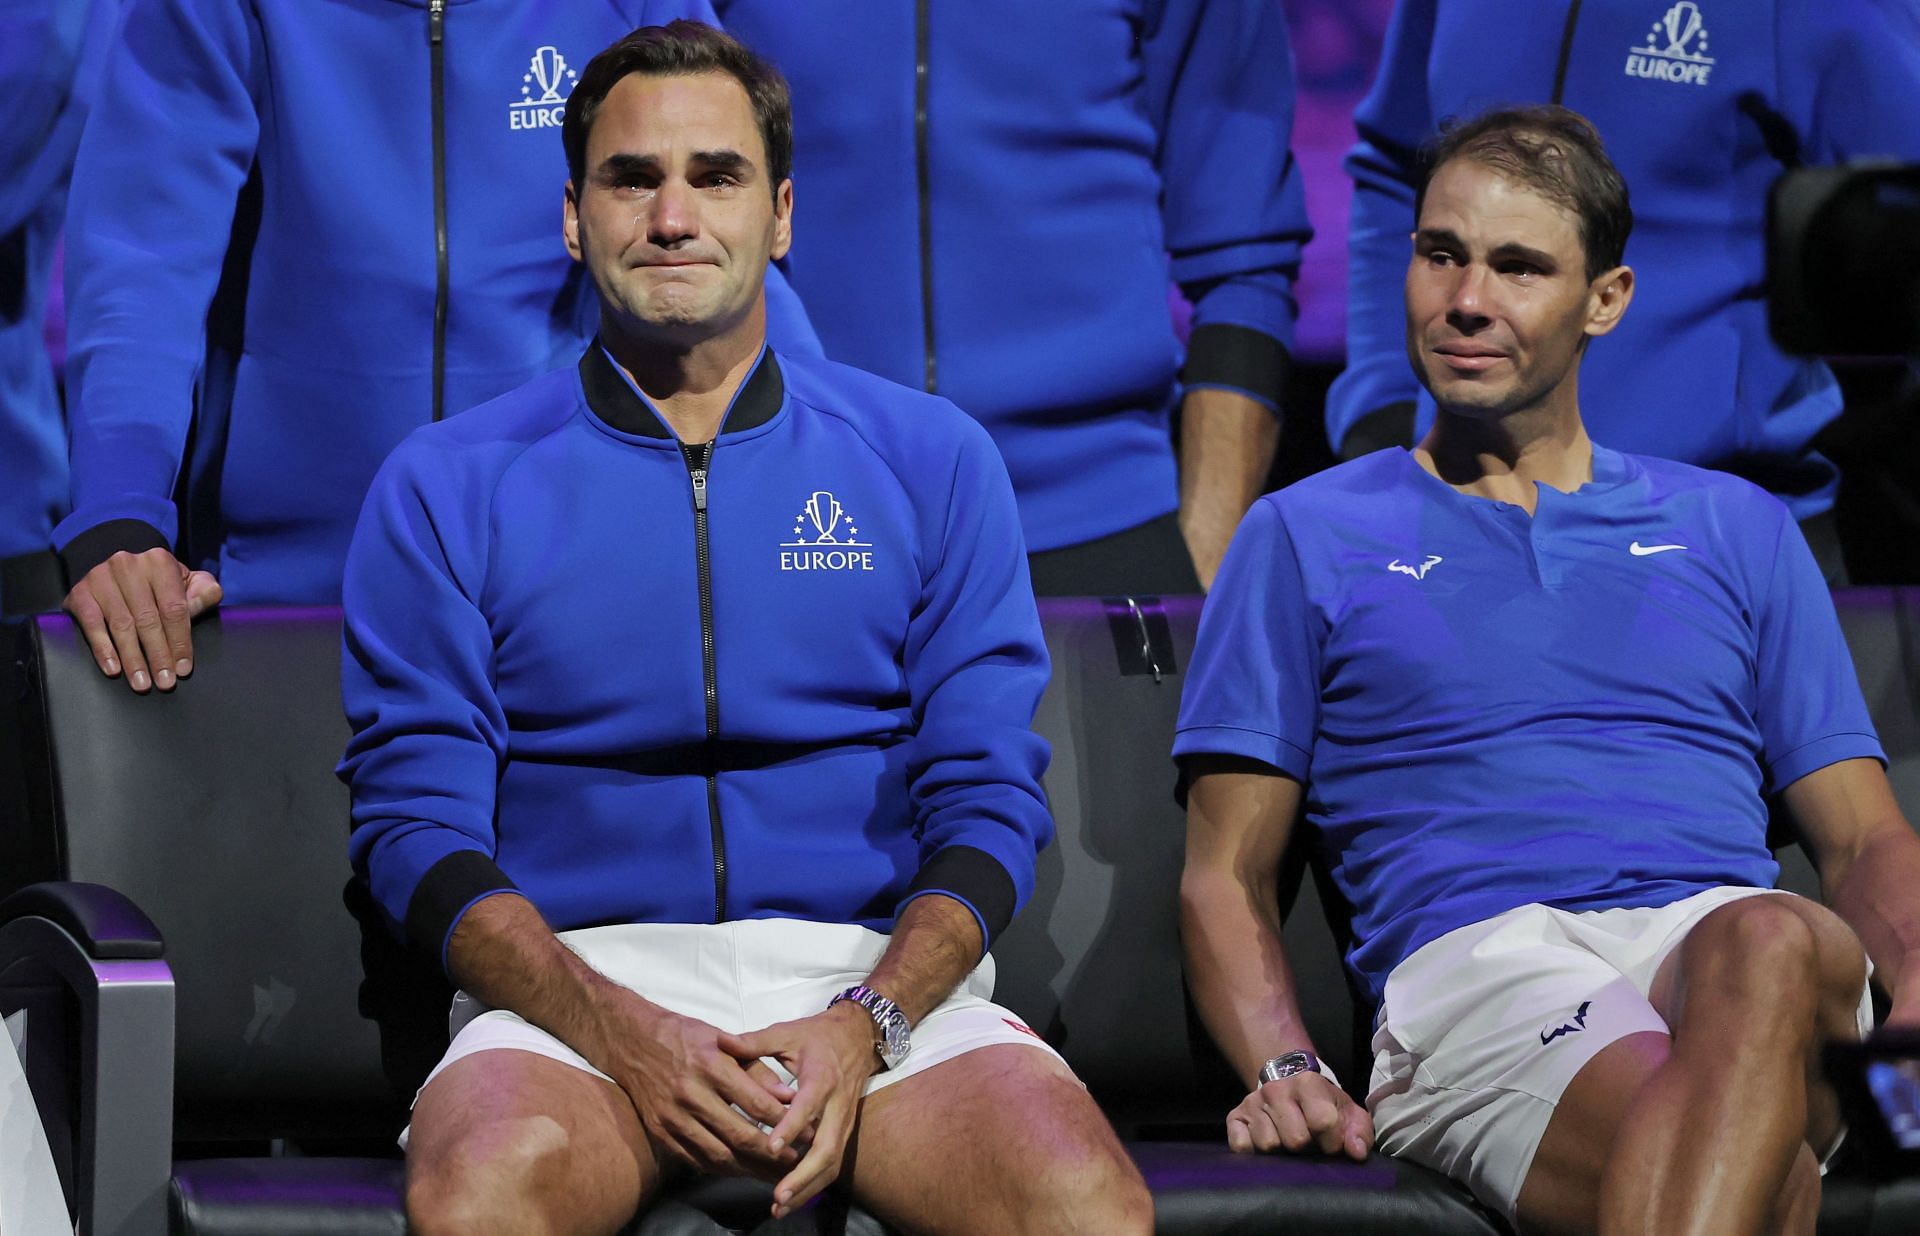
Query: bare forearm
point(1227, 444)
point(503, 953)
point(1237, 969)
point(935, 944)
point(1878, 894)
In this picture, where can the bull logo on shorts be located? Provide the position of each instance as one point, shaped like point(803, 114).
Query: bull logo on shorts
point(1578, 1024)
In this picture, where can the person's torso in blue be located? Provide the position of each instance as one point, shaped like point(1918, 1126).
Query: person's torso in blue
point(1582, 708)
point(1702, 105)
point(875, 654)
point(979, 211)
point(336, 361)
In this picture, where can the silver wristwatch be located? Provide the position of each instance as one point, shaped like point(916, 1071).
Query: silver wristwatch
point(1290, 1064)
point(893, 1039)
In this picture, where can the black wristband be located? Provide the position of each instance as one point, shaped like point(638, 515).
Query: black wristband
point(103, 541)
point(1239, 357)
point(448, 889)
point(975, 877)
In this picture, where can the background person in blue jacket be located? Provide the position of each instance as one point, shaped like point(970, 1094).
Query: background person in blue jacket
point(1703, 104)
point(50, 58)
point(1533, 695)
point(375, 179)
point(1014, 177)
point(721, 666)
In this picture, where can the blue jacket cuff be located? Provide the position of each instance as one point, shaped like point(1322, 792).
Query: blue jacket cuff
point(974, 878)
point(95, 545)
point(1238, 358)
point(450, 888)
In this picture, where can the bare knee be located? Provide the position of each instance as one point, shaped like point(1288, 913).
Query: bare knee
point(488, 1180)
point(1757, 958)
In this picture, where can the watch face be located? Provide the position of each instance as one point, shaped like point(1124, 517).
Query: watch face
point(894, 1042)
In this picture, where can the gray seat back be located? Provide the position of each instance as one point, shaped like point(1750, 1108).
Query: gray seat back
point(216, 809)
point(1093, 962)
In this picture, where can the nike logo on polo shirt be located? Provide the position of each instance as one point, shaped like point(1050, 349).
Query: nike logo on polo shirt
point(1640, 551)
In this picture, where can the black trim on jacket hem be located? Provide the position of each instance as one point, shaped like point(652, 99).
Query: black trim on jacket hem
point(1238, 356)
point(611, 397)
point(445, 892)
point(103, 541)
point(974, 876)
point(31, 583)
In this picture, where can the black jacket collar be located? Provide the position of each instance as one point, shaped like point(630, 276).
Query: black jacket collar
point(613, 399)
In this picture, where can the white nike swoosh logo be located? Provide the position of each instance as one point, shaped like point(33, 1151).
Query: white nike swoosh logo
point(1640, 551)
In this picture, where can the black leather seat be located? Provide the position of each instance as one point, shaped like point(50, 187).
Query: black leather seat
point(215, 812)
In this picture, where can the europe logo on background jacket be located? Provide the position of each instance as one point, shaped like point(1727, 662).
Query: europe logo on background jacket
point(1702, 104)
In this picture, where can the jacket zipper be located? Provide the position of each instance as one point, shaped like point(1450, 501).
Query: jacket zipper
point(920, 40)
point(436, 54)
point(1566, 51)
point(699, 459)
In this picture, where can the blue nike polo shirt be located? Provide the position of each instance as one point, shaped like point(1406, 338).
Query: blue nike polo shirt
point(1584, 707)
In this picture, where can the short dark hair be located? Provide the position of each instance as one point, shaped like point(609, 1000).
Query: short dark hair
point(677, 49)
point(1556, 152)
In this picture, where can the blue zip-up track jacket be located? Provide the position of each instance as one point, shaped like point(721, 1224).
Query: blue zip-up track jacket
point(329, 106)
point(995, 193)
point(1702, 104)
point(640, 682)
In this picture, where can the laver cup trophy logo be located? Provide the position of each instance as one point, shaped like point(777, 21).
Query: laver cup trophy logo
point(1676, 48)
point(544, 88)
point(824, 510)
point(825, 538)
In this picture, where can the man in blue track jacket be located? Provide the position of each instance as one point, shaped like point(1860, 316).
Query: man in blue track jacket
point(691, 692)
point(1703, 103)
point(375, 178)
point(1021, 181)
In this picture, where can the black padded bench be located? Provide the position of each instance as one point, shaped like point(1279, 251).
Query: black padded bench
point(216, 937)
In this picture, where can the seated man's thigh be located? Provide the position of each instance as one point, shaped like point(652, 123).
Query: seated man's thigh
point(509, 1140)
point(1482, 1033)
point(1562, 1188)
point(1002, 1138)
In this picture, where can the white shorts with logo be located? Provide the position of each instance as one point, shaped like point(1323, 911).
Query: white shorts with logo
point(1481, 1030)
point(740, 977)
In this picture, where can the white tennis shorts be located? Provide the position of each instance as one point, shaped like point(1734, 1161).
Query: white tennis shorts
point(1481, 1030)
point(740, 977)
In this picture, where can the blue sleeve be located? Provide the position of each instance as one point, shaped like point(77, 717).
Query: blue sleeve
point(1219, 82)
point(1392, 121)
point(1810, 709)
point(161, 163)
point(976, 664)
point(429, 735)
point(1253, 686)
point(1850, 77)
point(40, 52)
